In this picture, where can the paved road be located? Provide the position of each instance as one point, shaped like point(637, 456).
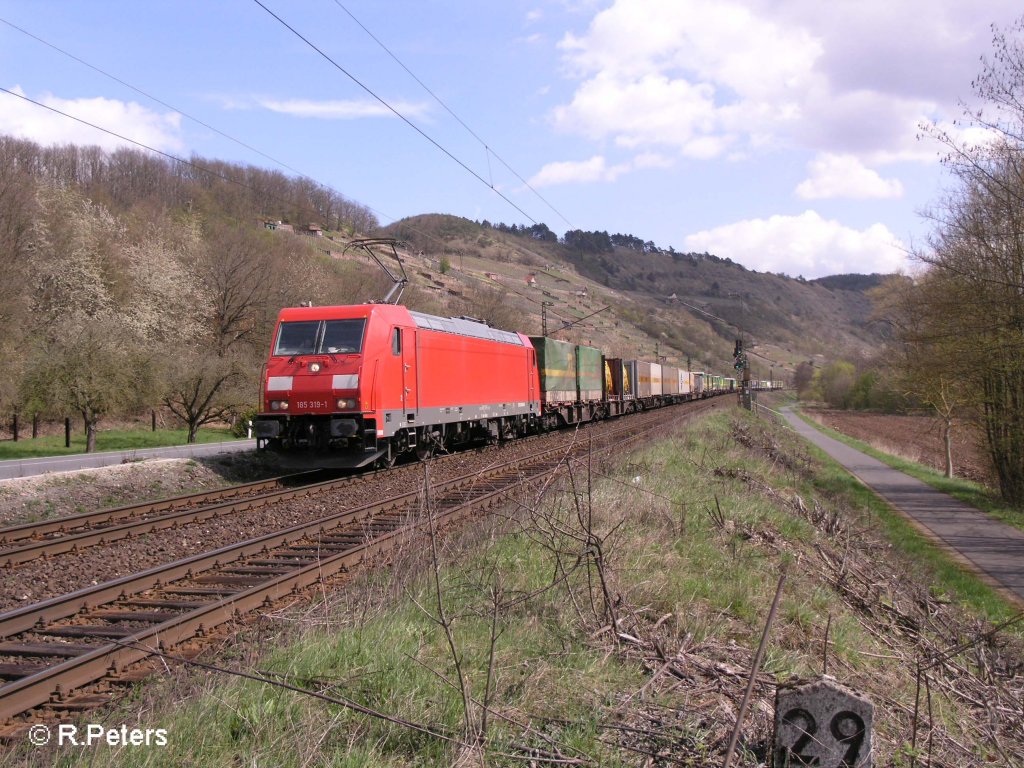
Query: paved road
point(27, 467)
point(992, 548)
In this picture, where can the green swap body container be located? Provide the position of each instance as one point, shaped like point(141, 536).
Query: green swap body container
point(557, 363)
point(589, 372)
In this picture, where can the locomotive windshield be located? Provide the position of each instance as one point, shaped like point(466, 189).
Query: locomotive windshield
point(320, 337)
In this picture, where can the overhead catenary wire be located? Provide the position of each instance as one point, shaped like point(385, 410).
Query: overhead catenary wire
point(490, 151)
point(187, 116)
point(190, 163)
point(393, 110)
point(153, 98)
point(115, 134)
point(204, 124)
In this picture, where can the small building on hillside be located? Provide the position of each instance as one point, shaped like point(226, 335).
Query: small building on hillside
point(313, 230)
point(278, 226)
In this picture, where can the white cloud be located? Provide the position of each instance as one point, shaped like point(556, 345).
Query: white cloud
point(26, 120)
point(685, 74)
point(737, 77)
point(570, 171)
point(648, 112)
point(596, 169)
point(338, 109)
point(805, 245)
point(652, 160)
point(847, 177)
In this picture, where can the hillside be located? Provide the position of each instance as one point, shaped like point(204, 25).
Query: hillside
point(178, 270)
point(673, 305)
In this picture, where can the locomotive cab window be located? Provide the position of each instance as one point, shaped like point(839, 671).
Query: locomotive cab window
point(342, 337)
point(396, 341)
point(297, 338)
point(320, 337)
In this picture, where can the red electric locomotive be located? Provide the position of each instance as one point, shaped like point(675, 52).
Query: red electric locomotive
point(361, 384)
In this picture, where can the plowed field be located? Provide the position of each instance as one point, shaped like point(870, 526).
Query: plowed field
point(917, 438)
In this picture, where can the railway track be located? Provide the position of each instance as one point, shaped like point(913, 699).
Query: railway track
point(30, 541)
point(68, 525)
point(53, 653)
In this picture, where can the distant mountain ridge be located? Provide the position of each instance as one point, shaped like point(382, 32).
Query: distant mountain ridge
point(795, 318)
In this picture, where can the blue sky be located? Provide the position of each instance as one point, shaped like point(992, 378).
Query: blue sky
point(782, 135)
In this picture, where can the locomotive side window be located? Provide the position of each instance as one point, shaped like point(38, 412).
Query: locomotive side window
point(297, 338)
point(396, 341)
point(342, 337)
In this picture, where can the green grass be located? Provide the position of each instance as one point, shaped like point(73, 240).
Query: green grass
point(699, 584)
point(975, 494)
point(113, 440)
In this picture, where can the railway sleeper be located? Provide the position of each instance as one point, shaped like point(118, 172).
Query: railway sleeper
point(17, 671)
point(260, 570)
point(152, 617)
point(87, 630)
point(184, 605)
point(227, 579)
point(67, 650)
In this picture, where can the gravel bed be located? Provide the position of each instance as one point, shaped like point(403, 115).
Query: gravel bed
point(61, 574)
point(42, 497)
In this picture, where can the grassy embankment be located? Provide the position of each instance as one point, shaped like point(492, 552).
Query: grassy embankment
point(607, 617)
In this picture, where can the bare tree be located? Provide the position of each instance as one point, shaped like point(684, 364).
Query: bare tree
point(974, 287)
point(202, 387)
point(928, 343)
point(238, 276)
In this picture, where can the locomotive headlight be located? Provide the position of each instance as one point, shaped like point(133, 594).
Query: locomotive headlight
point(314, 367)
point(279, 405)
point(346, 404)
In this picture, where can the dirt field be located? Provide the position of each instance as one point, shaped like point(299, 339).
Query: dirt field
point(917, 438)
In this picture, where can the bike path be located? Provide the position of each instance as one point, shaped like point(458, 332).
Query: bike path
point(12, 468)
point(992, 548)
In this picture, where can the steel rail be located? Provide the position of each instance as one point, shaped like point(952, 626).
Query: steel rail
point(61, 525)
point(39, 687)
point(183, 511)
point(76, 541)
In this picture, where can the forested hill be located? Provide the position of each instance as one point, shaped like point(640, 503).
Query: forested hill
point(800, 318)
point(131, 280)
